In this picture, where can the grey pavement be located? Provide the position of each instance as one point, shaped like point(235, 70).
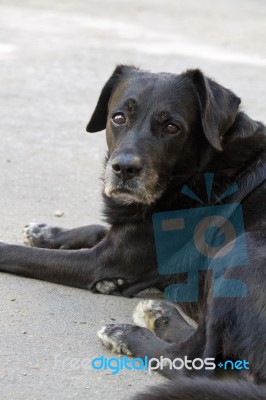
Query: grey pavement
point(54, 58)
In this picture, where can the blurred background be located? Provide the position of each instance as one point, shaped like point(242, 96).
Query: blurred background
point(55, 57)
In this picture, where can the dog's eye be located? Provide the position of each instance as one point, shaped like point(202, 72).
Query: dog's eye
point(172, 128)
point(119, 119)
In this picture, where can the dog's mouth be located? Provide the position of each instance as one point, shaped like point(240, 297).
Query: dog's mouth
point(123, 191)
point(142, 189)
point(123, 194)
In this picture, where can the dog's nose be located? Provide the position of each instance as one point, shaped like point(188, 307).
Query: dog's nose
point(127, 166)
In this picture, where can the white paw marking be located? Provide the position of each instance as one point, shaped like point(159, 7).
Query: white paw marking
point(105, 287)
point(141, 312)
point(147, 311)
point(114, 342)
point(34, 231)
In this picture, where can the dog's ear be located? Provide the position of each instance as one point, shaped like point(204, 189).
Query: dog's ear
point(219, 107)
point(99, 117)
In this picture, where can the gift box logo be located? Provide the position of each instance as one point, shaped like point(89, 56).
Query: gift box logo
point(196, 239)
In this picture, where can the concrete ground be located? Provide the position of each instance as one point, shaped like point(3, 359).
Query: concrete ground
point(54, 58)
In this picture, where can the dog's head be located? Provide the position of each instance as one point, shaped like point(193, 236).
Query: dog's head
point(157, 126)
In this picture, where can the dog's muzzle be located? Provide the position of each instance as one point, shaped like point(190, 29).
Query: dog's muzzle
point(126, 166)
point(128, 179)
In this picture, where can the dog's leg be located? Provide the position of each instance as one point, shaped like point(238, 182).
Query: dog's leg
point(110, 260)
point(58, 266)
point(164, 320)
point(77, 268)
point(170, 334)
point(140, 342)
point(53, 237)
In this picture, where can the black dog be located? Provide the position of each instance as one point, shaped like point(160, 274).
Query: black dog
point(164, 131)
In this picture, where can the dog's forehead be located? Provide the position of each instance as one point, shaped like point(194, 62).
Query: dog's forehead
point(162, 89)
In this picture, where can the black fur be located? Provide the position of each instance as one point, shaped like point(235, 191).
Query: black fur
point(212, 135)
point(203, 389)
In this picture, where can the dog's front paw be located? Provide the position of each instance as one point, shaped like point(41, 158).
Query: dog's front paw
point(41, 235)
point(164, 320)
point(150, 313)
point(125, 338)
point(114, 337)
